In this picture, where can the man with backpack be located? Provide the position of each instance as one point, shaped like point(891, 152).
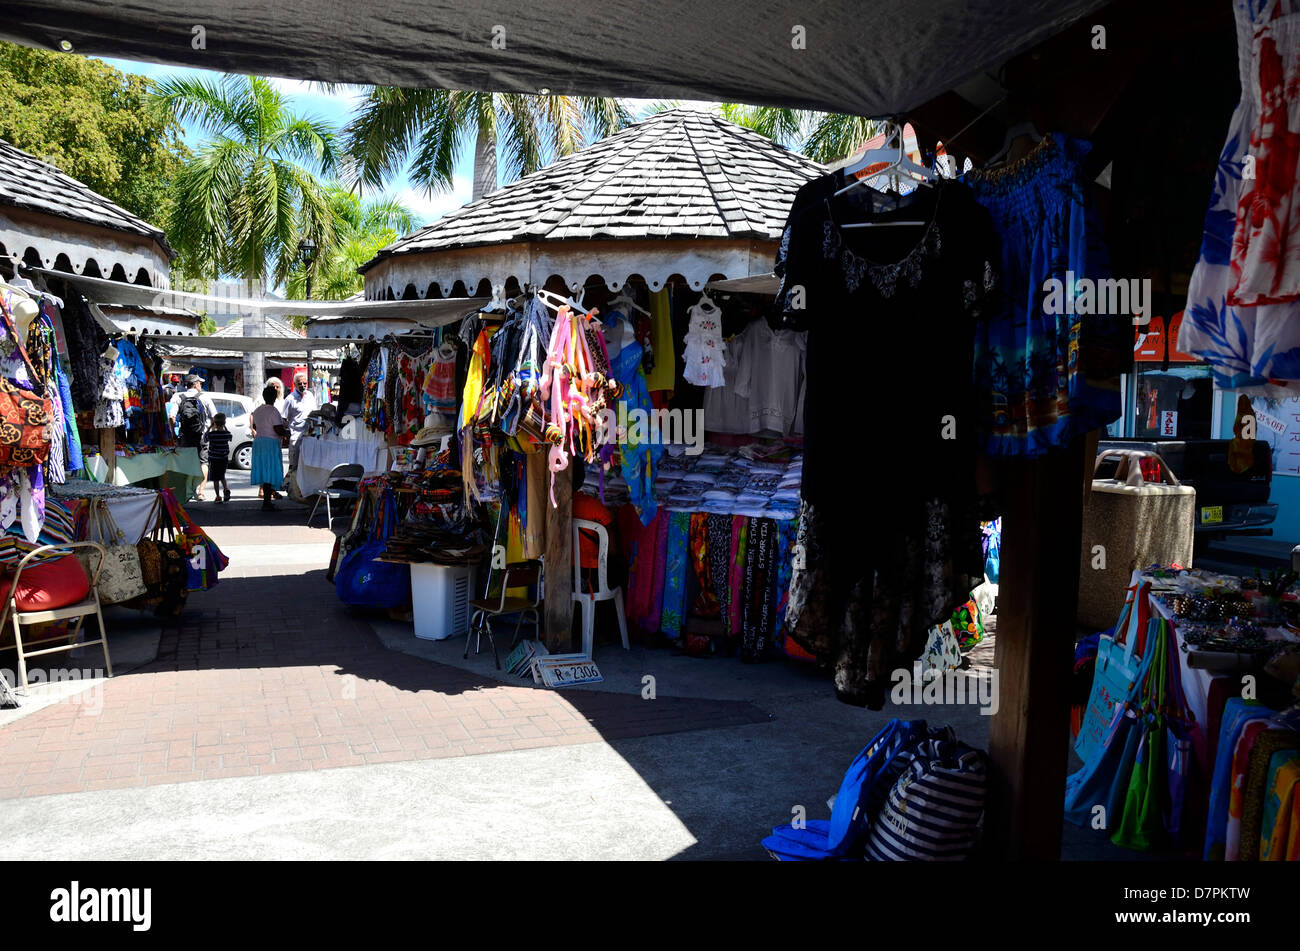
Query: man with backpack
point(194, 412)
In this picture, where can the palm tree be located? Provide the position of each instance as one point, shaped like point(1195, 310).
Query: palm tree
point(249, 193)
point(822, 136)
point(834, 136)
point(429, 128)
point(362, 228)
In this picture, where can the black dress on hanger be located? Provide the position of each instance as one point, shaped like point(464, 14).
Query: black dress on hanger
point(889, 517)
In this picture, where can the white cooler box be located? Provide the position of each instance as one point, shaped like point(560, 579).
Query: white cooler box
point(440, 600)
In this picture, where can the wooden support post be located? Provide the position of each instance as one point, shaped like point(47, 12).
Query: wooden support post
point(108, 452)
point(1037, 602)
point(559, 564)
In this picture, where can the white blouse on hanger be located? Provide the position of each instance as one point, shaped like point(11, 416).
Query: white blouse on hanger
point(705, 348)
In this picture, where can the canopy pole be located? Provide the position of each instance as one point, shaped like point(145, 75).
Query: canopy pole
point(1038, 592)
point(559, 564)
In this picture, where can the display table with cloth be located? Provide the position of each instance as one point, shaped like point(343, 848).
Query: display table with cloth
point(175, 469)
point(317, 456)
point(1206, 691)
point(133, 508)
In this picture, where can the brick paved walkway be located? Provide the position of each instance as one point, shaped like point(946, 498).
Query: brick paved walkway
point(270, 675)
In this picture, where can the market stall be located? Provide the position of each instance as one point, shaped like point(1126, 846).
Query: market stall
point(1096, 79)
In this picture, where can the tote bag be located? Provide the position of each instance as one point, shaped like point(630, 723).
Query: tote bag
point(1103, 778)
point(122, 577)
point(1178, 746)
point(933, 811)
point(1116, 669)
point(203, 559)
point(1141, 822)
point(865, 784)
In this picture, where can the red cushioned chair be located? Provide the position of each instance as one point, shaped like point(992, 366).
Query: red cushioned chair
point(54, 589)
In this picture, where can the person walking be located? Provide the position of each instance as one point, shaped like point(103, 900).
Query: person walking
point(194, 412)
point(298, 405)
point(276, 382)
point(217, 442)
point(269, 433)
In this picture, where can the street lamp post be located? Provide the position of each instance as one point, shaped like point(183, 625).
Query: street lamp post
point(307, 250)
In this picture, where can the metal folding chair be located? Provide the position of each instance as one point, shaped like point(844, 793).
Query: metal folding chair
point(517, 575)
point(81, 610)
point(340, 484)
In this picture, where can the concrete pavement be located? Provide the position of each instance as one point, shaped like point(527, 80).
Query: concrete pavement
point(273, 723)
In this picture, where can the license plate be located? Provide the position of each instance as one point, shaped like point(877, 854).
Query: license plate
point(1211, 514)
point(564, 670)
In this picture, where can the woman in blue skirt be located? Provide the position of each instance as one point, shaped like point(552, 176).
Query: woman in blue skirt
point(269, 429)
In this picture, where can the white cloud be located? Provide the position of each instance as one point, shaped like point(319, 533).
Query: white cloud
point(428, 208)
point(346, 97)
point(640, 108)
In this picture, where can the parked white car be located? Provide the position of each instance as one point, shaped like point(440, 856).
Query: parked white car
point(237, 409)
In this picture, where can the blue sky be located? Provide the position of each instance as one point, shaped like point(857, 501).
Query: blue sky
point(336, 109)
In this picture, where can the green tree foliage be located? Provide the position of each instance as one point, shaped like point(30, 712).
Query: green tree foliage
point(429, 128)
point(250, 192)
point(361, 229)
point(822, 136)
point(94, 123)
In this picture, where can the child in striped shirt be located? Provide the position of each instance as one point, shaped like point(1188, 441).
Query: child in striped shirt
point(217, 441)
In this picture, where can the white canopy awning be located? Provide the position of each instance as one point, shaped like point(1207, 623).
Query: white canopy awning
point(146, 321)
point(100, 291)
point(249, 344)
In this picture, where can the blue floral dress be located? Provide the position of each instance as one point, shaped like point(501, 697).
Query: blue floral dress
point(1045, 378)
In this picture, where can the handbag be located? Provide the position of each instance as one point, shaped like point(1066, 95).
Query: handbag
point(25, 417)
point(203, 559)
point(121, 577)
point(1118, 663)
point(151, 569)
point(162, 565)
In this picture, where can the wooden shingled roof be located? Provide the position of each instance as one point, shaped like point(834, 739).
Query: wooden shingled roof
point(29, 183)
point(678, 174)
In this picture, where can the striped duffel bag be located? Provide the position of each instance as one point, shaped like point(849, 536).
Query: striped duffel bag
point(933, 810)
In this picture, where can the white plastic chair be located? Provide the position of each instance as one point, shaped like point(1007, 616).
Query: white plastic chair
point(603, 591)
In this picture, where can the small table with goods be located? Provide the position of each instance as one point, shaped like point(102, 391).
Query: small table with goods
point(1194, 656)
point(176, 469)
point(132, 507)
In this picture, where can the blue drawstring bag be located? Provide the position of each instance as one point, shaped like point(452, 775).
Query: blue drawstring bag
point(862, 790)
point(362, 582)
